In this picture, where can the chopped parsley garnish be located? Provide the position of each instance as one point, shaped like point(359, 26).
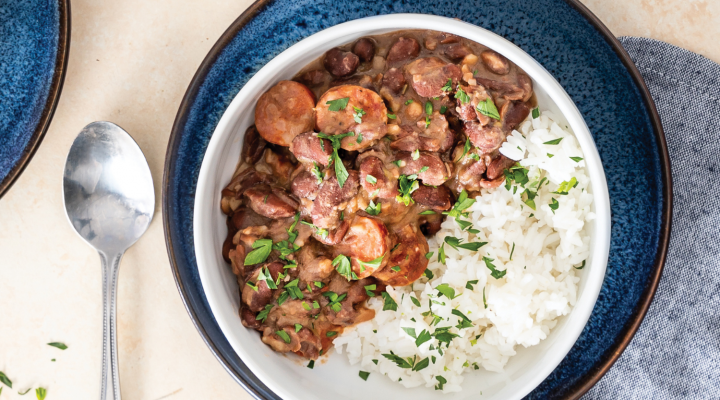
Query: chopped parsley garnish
point(443, 109)
point(375, 361)
point(466, 148)
point(410, 332)
point(461, 95)
point(422, 364)
point(59, 345)
point(484, 300)
point(427, 122)
point(397, 163)
point(463, 224)
point(488, 109)
point(396, 268)
point(446, 290)
point(5, 380)
point(294, 290)
point(415, 154)
point(517, 174)
point(553, 206)
point(456, 243)
point(565, 186)
point(40, 393)
point(283, 335)
point(494, 272)
point(428, 212)
point(338, 104)
point(443, 335)
point(408, 101)
point(317, 173)
point(475, 157)
point(374, 209)
point(406, 185)
point(25, 392)
point(550, 155)
point(364, 375)
point(576, 159)
point(340, 171)
point(399, 361)
point(306, 306)
point(389, 303)
point(469, 284)
point(462, 203)
point(448, 86)
point(536, 113)
point(369, 290)
point(392, 116)
point(371, 179)
point(554, 141)
point(428, 107)
point(464, 321)
point(264, 275)
point(358, 114)
point(262, 247)
point(359, 139)
point(311, 364)
point(441, 254)
point(513, 249)
point(319, 284)
point(331, 333)
point(334, 300)
point(342, 266)
point(283, 296)
point(581, 265)
point(415, 301)
point(441, 382)
point(322, 232)
point(374, 264)
point(423, 337)
point(262, 315)
point(428, 255)
point(298, 327)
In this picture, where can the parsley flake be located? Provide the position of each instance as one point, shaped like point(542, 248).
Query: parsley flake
point(488, 109)
point(338, 104)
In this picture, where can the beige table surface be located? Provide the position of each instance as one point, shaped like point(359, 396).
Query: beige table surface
point(131, 62)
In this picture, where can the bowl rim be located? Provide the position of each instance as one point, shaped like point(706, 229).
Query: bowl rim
point(613, 352)
point(56, 86)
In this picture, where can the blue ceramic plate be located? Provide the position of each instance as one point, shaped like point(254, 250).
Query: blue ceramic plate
point(34, 45)
point(570, 43)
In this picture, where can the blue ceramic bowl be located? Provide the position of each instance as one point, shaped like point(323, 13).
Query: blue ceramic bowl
point(34, 48)
point(570, 44)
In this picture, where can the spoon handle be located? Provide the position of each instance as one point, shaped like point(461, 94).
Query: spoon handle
point(110, 384)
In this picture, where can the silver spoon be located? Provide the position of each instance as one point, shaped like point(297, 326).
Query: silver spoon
point(109, 200)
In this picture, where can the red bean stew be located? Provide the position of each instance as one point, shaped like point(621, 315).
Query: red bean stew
point(350, 165)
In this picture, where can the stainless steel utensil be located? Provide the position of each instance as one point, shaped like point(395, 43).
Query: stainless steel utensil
point(109, 200)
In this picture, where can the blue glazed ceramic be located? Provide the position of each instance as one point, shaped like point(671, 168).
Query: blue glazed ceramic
point(570, 43)
point(34, 44)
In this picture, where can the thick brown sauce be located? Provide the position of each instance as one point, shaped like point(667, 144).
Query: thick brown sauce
point(412, 122)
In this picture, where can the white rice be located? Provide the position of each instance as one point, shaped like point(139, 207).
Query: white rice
point(540, 284)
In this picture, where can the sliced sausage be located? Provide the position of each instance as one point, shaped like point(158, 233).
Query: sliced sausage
point(256, 300)
point(365, 49)
point(437, 198)
point(435, 175)
point(381, 180)
point(366, 240)
point(437, 137)
point(324, 211)
point(340, 63)
point(394, 80)
point(409, 256)
point(430, 75)
point(310, 344)
point(403, 49)
point(510, 91)
point(372, 125)
point(285, 111)
point(308, 147)
point(271, 202)
point(495, 62)
point(486, 138)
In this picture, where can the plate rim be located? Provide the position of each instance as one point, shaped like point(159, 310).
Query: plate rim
point(628, 332)
point(56, 85)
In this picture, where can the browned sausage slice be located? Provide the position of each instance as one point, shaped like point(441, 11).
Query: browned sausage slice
point(435, 137)
point(305, 186)
point(372, 116)
point(403, 49)
point(366, 240)
point(430, 75)
point(285, 111)
point(409, 256)
point(437, 198)
point(324, 211)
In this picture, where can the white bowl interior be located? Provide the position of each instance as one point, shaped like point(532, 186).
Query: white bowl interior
point(286, 375)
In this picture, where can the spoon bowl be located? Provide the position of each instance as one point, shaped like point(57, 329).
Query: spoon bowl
point(109, 200)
